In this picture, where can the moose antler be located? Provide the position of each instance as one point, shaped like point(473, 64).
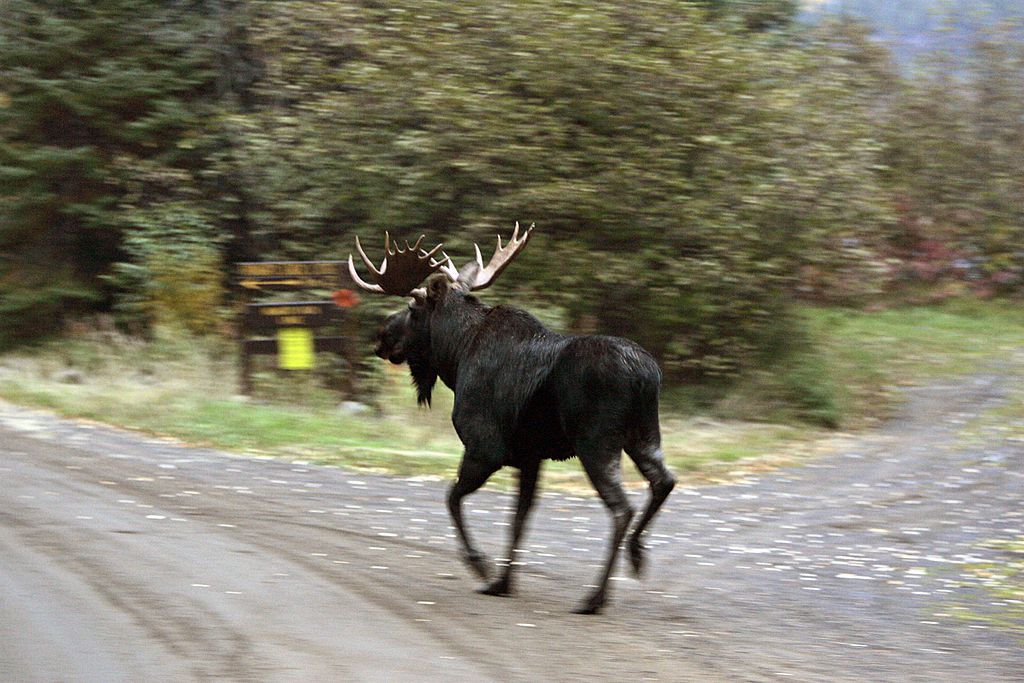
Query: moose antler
point(402, 268)
point(483, 276)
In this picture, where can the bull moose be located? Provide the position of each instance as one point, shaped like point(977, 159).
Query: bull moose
point(523, 394)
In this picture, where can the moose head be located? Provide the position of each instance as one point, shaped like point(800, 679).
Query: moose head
point(405, 337)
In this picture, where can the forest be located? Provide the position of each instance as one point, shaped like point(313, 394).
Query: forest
point(695, 169)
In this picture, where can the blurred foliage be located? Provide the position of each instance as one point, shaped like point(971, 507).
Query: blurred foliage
point(954, 158)
point(175, 275)
point(88, 89)
point(912, 28)
point(679, 167)
point(692, 167)
point(756, 15)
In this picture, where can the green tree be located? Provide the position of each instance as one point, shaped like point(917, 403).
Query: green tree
point(757, 15)
point(665, 155)
point(92, 95)
point(955, 157)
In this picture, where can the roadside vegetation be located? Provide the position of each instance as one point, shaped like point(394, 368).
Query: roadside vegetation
point(868, 355)
point(185, 387)
point(737, 185)
point(695, 169)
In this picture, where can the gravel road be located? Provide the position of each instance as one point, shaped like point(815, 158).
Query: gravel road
point(129, 558)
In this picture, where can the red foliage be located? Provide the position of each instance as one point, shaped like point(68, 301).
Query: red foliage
point(345, 298)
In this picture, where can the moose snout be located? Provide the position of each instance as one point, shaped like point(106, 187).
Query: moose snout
point(394, 353)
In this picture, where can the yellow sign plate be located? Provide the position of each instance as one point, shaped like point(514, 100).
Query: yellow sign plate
point(295, 350)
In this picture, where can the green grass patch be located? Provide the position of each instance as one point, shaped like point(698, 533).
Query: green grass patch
point(1005, 420)
point(185, 388)
point(868, 355)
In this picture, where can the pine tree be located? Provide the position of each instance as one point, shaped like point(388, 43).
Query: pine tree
point(98, 102)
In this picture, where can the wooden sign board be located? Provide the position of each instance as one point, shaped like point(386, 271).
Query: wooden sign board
point(268, 317)
point(292, 275)
point(292, 329)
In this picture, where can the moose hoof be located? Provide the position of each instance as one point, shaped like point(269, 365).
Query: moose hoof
point(478, 564)
point(499, 587)
point(636, 559)
point(593, 605)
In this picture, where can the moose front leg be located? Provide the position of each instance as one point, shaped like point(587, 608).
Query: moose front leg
point(472, 475)
point(527, 493)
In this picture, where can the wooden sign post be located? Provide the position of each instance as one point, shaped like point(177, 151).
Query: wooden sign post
point(290, 328)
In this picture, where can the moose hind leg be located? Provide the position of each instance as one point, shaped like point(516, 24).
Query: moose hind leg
point(527, 492)
point(651, 463)
point(603, 467)
point(472, 475)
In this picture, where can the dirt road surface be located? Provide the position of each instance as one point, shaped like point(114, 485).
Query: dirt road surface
point(125, 558)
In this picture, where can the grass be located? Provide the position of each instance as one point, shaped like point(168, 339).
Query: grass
point(177, 389)
point(869, 355)
point(185, 389)
point(1005, 420)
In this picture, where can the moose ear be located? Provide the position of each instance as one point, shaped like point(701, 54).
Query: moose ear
point(468, 274)
point(437, 287)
